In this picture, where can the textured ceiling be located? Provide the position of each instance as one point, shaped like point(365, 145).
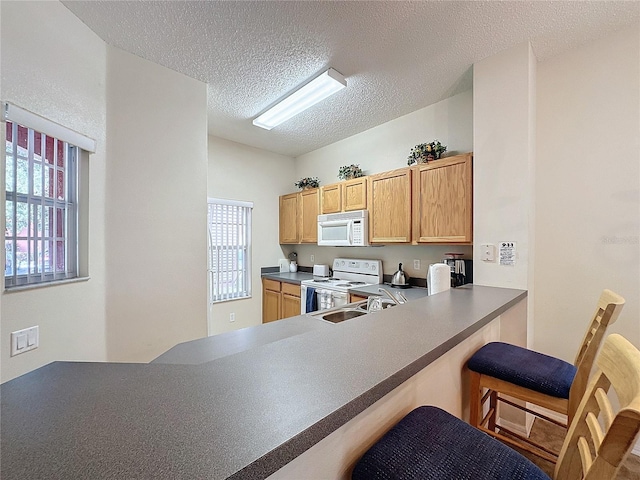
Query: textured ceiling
point(397, 56)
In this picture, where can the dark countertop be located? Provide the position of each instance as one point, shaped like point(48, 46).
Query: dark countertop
point(243, 415)
point(229, 343)
point(288, 277)
point(413, 293)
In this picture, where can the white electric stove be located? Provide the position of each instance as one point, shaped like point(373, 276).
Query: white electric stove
point(329, 292)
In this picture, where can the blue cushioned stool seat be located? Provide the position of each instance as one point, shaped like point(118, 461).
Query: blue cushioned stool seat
point(431, 444)
point(525, 368)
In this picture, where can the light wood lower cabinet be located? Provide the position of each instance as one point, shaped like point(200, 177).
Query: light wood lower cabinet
point(356, 298)
point(389, 203)
point(271, 300)
point(279, 300)
point(443, 201)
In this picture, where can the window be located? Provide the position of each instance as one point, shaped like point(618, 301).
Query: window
point(41, 202)
point(229, 249)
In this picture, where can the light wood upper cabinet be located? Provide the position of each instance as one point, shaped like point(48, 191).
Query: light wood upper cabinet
point(389, 204)
point(289, 231)
point(443, 201)
point(344, 196)
point(331, 198)
point(354, 194)
point(309, 202)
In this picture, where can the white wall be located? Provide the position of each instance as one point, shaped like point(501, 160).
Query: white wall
point(504, 156)
point(588, 189)
point(239, 172)
point(387, 146)
point(383, 148)
point(156, 214)
point(502, 182)
point(53, 65)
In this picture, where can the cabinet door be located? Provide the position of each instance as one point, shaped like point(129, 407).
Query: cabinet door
point(290, 305)
point(289, 218)
point(389, 203)
point(270, 305)
point(354, 194)
point(443, 201)
point(309, 200)
point(331, 198)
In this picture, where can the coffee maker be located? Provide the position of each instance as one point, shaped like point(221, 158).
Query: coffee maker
point(461, 269)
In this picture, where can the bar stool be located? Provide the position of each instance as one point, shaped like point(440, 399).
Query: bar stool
point(430, 444)
point(507, 370)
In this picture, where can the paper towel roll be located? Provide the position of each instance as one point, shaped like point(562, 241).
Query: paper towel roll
point(439, 278)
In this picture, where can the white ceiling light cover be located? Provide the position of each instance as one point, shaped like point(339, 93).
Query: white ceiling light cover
point(321, 87)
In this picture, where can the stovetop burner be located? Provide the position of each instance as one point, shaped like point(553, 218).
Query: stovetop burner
point(353, 284)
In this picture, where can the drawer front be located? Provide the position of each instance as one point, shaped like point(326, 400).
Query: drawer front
point(271, 284)
point(291, 289)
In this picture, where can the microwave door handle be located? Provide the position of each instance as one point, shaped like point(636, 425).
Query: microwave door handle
point(350, 228)
point(333, 222)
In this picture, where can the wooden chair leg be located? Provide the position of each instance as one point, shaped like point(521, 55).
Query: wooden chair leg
point(493, 407)
point(475, 400)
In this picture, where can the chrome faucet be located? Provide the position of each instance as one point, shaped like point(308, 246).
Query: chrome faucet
point(400, 300)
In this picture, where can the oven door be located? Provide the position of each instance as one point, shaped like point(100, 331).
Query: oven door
point(337, 233)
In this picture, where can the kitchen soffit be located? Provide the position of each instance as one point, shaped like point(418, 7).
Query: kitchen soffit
point(397, 56)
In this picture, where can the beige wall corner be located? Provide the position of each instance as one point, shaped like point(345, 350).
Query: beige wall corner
point(156, 211)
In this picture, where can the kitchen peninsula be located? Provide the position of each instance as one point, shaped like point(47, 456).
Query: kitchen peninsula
point(276, 404)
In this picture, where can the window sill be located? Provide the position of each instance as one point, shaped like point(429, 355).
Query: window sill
point(22, 288)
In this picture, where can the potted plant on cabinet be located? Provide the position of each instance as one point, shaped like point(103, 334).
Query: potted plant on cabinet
point(426, 152)
point(350, 171)
point(308, 182)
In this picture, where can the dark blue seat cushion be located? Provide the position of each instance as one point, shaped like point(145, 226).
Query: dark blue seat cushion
point(526, 368)
point(431, 444)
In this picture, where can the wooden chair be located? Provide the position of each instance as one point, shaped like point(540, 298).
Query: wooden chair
point(507, 370)
point(429, 443)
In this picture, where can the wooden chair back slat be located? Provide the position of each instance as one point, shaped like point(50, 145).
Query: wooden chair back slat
point(585, 454)
point(607, 311)
point(618, 367)
point(606, 412)
point(594, 430)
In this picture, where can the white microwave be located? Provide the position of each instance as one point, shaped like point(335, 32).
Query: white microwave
point(348, 229)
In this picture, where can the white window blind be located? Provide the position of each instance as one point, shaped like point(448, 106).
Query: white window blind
point(229, 249)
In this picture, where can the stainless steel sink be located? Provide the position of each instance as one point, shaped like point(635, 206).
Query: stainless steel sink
point(342, 315)
point(346, 312)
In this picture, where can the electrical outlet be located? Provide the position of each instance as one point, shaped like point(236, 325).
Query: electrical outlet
point(232, 317)
point(25, 340)
point(416, 264)
point(313, 258)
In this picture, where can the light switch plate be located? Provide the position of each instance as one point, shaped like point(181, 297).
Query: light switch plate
point(25, 340)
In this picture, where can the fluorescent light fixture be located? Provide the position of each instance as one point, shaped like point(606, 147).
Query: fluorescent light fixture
point(321, 87)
